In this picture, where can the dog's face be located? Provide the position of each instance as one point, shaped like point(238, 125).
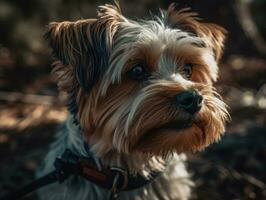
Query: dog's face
point(141, 86)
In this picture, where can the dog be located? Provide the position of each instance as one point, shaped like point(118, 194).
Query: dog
point(140, 96)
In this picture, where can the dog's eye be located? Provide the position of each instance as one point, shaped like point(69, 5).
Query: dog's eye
point(138, 72)
point(187, 70)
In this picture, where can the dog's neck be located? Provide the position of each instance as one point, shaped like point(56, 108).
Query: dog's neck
point(133, 163)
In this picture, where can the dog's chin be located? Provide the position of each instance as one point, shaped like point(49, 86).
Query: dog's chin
point(167, 138)
point(173, 127)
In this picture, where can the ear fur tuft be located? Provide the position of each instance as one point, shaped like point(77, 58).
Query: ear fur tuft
point(82, 48)
point(185, 19)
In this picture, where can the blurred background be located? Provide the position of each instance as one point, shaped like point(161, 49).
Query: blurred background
point(31, 107)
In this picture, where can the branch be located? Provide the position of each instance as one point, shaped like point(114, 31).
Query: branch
point(242, 9)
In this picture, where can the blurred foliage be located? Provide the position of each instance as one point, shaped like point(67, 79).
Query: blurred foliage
point(23, 22)
point(258, 8)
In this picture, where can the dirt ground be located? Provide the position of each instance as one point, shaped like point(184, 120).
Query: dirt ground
point(31, 110)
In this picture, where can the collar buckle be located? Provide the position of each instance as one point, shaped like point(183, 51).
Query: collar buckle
point(117, 180)
point(116, 188)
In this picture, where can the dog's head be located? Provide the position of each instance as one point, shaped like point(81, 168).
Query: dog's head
point(141, 86)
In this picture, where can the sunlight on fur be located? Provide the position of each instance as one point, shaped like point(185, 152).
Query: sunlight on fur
point(140, 95)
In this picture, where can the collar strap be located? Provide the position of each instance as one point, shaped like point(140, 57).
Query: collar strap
point(113, 178)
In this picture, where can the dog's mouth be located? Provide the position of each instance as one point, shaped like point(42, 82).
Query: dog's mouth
point(175, 126)
point(163, 132)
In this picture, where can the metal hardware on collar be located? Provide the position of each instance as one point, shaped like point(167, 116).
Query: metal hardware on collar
point(115, 187)
point(115, 179)
point(121, 173)
point(114, 191)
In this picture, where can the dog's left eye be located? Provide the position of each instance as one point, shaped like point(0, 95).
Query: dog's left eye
point(187, 70)
point(138, 72)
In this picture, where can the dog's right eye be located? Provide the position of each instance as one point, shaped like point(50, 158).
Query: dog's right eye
point(138, 72)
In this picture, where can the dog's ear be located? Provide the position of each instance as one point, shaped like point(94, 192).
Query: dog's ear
point(82, 48)
point(212, 34)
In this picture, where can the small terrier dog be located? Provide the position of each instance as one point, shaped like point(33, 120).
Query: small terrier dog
point(140, 96)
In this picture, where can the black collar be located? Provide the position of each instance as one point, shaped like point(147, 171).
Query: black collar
point(114, 179)
point(107, 178)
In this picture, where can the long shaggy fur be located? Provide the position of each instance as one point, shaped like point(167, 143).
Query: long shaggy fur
point(126, 122)
point(77, 188)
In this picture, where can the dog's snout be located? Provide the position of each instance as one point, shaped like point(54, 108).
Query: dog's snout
point(190, 101)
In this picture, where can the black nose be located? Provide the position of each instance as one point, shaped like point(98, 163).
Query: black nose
point(190, 101)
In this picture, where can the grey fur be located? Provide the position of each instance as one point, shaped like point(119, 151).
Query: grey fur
point(173, 183)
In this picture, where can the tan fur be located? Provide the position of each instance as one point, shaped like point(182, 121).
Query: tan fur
point(125, 121)
point(213, 34)
point(103, 118)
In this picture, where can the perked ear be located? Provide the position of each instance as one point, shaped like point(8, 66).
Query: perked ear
point(212, 34)
point(82, 48)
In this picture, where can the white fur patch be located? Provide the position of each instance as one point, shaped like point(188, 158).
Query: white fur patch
point(208, 58)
